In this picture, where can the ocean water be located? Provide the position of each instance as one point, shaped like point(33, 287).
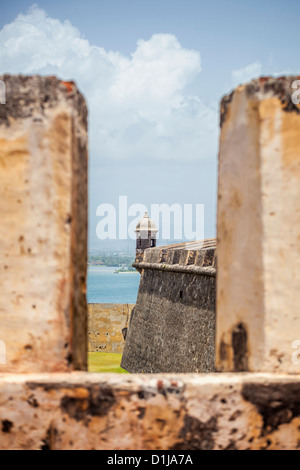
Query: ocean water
point(105, 286)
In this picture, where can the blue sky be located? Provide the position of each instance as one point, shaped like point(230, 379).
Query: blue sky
point(153, 73)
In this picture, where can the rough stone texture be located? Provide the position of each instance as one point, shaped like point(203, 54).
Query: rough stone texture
point(105, 325)
point(43, 189)
point(139, 256)
point(258, 228)
point(172, 326)
point(77, 410)
point(176, 412)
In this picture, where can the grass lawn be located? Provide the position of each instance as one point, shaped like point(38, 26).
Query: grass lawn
point(105, 362)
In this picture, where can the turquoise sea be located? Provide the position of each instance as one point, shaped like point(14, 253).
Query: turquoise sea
point(105, 286)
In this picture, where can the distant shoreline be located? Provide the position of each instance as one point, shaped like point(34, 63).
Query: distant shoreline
point(104, 266)
point(113, 269)
point(125, 272)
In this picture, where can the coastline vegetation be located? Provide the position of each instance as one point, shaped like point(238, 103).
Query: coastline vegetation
point(118, 260)
point(129, 269)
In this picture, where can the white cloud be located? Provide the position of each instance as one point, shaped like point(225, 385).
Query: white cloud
point(140, 106)
point(245, 74)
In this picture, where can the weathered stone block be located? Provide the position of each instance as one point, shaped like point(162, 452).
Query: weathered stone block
point(163, 412)
point(258, 301)
point(43, 193)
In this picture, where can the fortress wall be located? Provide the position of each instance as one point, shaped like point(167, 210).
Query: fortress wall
point(172, 326)
point(105, 325)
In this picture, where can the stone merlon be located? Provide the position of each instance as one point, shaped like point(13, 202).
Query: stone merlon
point(43, 230)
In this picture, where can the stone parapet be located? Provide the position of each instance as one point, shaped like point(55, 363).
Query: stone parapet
point(199, 253)
point(168, 412)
